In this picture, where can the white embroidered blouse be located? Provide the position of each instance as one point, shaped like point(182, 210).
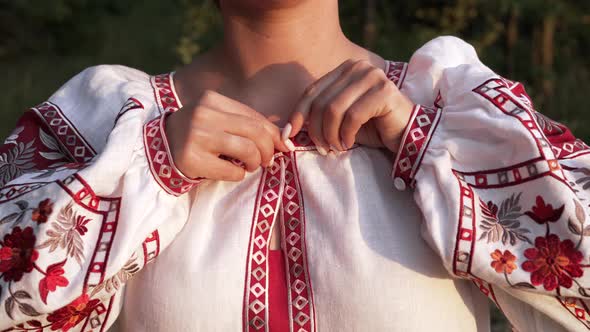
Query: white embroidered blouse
point(492, 201)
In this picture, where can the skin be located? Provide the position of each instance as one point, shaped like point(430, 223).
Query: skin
point(281, 63)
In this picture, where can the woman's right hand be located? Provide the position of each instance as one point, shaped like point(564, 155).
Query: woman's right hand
point(215, 126)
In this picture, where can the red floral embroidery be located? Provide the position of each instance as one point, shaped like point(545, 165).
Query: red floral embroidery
point(543, 213)
point(42, 212)
point(69, 316)
point(492, 209)
point(53, 279)
point(17, 254)
point(503, 262)
point(553, 263)
point(80, 226)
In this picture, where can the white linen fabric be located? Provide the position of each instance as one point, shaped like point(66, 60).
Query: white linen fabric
point(500, 194)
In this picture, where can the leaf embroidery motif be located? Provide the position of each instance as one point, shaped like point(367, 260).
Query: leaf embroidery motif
point(67, 232)
point(585, 180)
point(502, 224)
point(120, 278)
point(18, 299)
point(547, 125)
point(17, 161)
point(14, 135)
point(56, 153)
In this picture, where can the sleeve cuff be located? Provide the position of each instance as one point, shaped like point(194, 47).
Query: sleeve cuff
point(415, 141)
point(162, 167)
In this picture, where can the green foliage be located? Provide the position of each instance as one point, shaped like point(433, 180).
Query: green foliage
point(202, 27)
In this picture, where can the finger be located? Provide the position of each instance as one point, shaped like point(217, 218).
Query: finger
point(315, 130)
point(303, 107)
point(240, 148)
point(253, 130)
point(280, 144)
point(222, 103)
point(342, 95)
point(369, 105)
point(223, 170)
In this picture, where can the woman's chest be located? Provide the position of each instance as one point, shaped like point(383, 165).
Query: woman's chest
point(354, 259)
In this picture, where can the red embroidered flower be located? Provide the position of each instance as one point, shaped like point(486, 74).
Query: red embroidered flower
point(503, 262)
point(80, 226)
point(69, 316)
point(17, 254)
point(42, 212)
point(492, 209)
point(53, 278)
point(543, 213)
point(553, 262)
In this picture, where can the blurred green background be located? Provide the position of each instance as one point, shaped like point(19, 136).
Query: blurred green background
point(544, 44)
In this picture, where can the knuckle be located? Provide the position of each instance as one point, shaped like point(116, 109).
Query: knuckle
point(361, 64)
point(272, 131)
point(198, 136)
point(317, 105)
point(389, 88)
point(374, 72)
point(184, 160)
point(384, 86)
point(251, 150)
point(233, 143)
point(332, 110)
point(207, 95)
point(262, 132)
point(200, 114)
point(255, 126)
point(197, 117)
point(354, 116)
point(350, 67)
point(349, 63)
point(235, 173)
point(311, 89)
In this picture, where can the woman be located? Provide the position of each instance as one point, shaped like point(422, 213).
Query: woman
point(255, 228)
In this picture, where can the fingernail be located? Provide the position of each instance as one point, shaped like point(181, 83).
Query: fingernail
point(289, 145)
point(286, 131)
point(343, 145)
point(322, 151)
point(272, 161)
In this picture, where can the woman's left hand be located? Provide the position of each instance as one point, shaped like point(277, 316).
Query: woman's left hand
point(354, 103)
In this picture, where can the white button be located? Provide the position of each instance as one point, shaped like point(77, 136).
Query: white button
point(399, 184)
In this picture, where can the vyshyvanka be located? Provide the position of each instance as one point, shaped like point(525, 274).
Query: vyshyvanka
point(486, 198)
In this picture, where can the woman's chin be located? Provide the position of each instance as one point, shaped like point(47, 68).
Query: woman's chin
point(263, 4)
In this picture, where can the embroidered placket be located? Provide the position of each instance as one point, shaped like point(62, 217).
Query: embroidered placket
point(279, 199)
point(279, 190)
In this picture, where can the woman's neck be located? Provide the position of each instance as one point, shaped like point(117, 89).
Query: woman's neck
point(306, 33)
point(268, 56)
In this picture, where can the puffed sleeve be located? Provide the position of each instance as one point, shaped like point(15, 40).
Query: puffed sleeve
point(503, 190)
point(88, 196)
